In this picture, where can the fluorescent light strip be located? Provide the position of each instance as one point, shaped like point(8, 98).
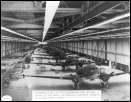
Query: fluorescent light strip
point(51, 7)
point(6, 37)
point(13, 38)
point(11, 31)
point(105, 31)
point(105, 22)
point(9, 37)
point(101, 32)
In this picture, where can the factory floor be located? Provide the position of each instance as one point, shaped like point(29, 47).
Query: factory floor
point(21, 90)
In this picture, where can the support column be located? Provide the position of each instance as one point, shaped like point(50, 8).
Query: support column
point(77, 46)
point(115, 41)
point(129, 53)
point(5, 48)
point(105, 49)
point(16, 46)
point(11, 47)
point(87, 47)
point(1, 48)
point(83, 46)
point(97, 44)
point(92, 48)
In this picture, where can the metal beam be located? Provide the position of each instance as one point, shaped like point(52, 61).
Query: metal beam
point(102, 26)
point(86, 5)
point(95, 12)
point(106, 26)
point(33, 34)
point(12, 19)
point(56, 22)
point(121, 21)
point(37, 36)
point(96, 5)
point(35, 19)
point(15, 33)
point(110, 11)
point(56, 16)
point(50, 32)
point(76, 4)
point(64, 15)
point(33, 31)
point(41, 10)
point(113, 31)
point(24, 25)
point(63, 2)
point(42, 2)
point(16, 4)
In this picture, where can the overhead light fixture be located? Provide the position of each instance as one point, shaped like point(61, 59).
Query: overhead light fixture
point(106, 31)
point(99, 24)
point(11, 31)
point(6, 38)
point(51, 7)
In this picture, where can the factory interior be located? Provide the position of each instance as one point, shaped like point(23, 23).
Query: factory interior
point(65, 45)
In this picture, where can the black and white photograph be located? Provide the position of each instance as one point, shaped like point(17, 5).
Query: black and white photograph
point(65, 50)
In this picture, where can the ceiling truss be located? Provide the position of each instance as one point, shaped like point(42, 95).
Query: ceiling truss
point(28, 17)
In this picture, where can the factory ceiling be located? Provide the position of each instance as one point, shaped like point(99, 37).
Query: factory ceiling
point(28, 18)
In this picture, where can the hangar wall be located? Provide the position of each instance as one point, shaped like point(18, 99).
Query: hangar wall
point(116, 50)
point(9, 47)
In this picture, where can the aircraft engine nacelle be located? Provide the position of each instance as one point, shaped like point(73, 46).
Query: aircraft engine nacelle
point(74, 78)
point(103, 75)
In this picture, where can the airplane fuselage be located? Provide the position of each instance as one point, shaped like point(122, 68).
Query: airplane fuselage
point(88, 70)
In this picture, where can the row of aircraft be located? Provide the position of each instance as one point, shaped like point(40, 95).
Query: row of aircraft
point(85, 68)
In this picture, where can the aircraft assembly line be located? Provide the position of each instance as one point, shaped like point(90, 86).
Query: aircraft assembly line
point(65, 46)
point(48, 76)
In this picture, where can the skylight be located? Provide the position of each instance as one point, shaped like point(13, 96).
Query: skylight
point(51, 7)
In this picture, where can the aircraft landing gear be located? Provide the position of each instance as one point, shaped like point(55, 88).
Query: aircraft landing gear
point(63, 68)
point(54, 64)
point(75, 81)
point(56, 61)
point(76, 86)
point(104, 84)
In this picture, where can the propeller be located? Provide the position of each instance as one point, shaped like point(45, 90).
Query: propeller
point(76, 81)
point(111, 74)
point(74, 78)
point(104, 76)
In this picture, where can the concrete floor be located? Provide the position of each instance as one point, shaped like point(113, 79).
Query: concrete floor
point(118, 90)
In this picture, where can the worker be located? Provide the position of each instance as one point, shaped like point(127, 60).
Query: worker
point(23, 73)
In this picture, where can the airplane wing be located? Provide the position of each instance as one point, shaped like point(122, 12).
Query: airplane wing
point(73, 55)
point(67, 70)
point(116, 74)
point(39, 63)
point(55, 64)
point(52, 77)
point(43, 57)
point(42, 54)
point(48, 63)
